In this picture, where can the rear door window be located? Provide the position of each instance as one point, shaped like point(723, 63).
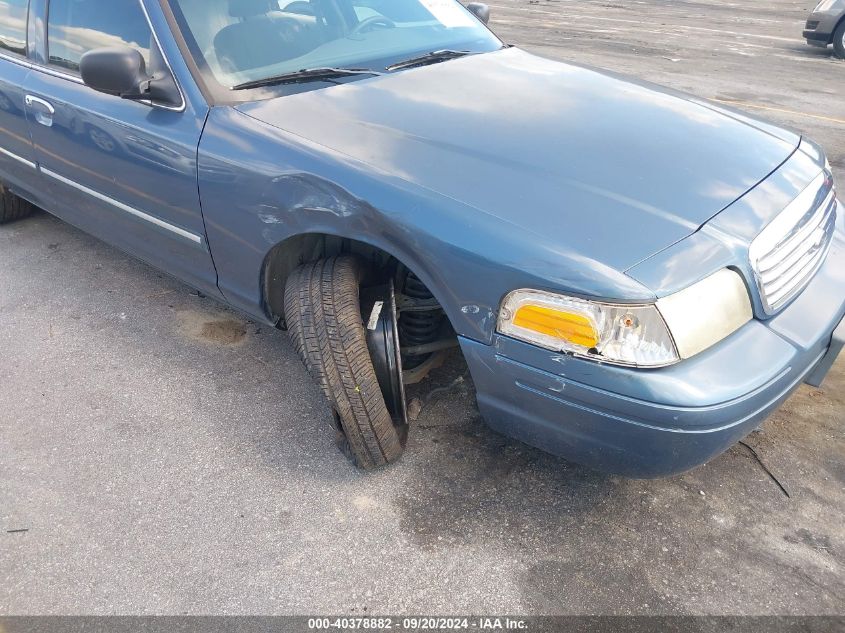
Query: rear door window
point(75, 27)
point(13, 26)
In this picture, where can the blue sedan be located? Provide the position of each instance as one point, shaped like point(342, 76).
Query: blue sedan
point(636, 278)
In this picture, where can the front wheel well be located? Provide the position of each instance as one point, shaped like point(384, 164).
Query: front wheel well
point(839, 25)
point(426, 333)
point(286, 256)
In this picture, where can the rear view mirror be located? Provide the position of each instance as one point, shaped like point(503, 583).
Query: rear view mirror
point(121, 71)
point(480, 10)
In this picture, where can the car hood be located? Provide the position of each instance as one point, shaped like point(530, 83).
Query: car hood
point(591, 163)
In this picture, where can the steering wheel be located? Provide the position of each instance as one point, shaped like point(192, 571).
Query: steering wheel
point(366, 23)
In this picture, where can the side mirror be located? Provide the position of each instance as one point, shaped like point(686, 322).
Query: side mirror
point(480, 10)
point(121, 71)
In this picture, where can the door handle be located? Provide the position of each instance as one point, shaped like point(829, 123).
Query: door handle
point(44, 110)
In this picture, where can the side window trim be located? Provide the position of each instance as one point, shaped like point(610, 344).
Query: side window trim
point(20, 60)
point(46, 68)
point(183, 105)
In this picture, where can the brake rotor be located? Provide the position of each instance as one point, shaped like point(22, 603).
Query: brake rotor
point(378, 309)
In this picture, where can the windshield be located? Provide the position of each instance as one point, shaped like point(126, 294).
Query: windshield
point(242, 41)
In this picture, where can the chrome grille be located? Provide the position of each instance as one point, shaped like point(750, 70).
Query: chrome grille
point(790, 250)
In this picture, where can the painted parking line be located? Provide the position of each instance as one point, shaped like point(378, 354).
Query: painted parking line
point(745, 104)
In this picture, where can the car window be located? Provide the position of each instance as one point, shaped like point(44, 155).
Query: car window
point(13, 26)
point(75, 27)
point(246, 40)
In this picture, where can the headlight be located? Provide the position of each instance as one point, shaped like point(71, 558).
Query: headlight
point(626, 334)
point(825, 5)
point(654, 335)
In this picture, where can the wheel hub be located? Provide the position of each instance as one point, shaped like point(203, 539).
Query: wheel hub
point(378, 309)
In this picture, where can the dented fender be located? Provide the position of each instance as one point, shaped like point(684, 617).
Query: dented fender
point(261, 186)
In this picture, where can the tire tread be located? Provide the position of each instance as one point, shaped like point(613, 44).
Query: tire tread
point(839, 40)
point(325, 325)
point(12, 207)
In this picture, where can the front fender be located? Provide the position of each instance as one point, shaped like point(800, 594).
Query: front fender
point(261, 186)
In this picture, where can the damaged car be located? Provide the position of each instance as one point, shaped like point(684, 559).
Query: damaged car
point(636, 278)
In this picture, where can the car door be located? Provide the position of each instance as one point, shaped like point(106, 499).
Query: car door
point(122, 170)
point(17, 161)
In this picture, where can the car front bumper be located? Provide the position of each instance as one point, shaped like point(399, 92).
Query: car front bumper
point(820, 27)
point(657, 423)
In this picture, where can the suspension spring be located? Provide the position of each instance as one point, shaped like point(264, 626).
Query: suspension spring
point(418, 328)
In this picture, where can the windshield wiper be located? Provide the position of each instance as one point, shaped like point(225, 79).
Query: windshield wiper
point(429, 58)
point(308, 74)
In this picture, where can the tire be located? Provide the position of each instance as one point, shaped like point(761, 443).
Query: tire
point(324, 322)
point(11, 207)
point(839, 40)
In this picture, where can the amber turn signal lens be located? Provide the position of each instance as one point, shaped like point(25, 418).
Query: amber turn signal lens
point(568, 326)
